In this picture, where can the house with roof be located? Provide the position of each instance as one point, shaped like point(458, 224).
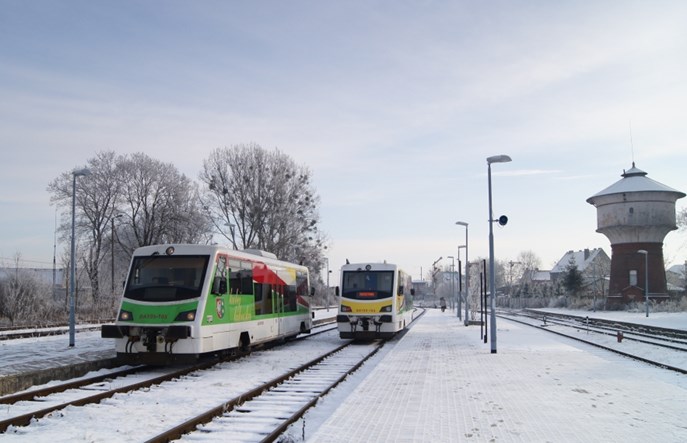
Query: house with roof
point(593, 264)
point(677, 278)
point(535, 283)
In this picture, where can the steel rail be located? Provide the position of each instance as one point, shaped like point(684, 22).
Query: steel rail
point(625, 354)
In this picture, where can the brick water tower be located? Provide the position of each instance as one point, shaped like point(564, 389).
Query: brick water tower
point(636, 213)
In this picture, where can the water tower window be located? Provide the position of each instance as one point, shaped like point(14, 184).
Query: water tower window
point(632, 210)
point(633, 277)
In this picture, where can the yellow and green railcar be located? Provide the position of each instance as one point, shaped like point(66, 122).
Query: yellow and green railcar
point(375, 301)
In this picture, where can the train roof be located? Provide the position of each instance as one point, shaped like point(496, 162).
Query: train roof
point(373, 265)
point(246, 254)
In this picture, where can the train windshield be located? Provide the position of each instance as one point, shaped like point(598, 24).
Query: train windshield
point(161, 278)
point(367, 285)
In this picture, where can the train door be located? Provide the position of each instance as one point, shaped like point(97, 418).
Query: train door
point(278, 300)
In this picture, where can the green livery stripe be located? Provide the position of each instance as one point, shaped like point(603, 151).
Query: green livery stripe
point(236, 308)
point(158, 313)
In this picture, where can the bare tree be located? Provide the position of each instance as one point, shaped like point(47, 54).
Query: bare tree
point(529, 260)
point(151, 201)
point(682, 219)
point(158, 205)
point(96, 202)
point(19, 301)
point(597, 274)
point(261, 199)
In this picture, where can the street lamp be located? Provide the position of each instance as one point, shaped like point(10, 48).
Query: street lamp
point(646, 278)
point(453, 266)
point(327, 291)
point(72, 272)
point(492, 284)
point(112, 245)
point(467, 270)
point(434, 276)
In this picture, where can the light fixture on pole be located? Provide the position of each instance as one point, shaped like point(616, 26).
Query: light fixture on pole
point(492, 284)
point(467, 270)
point(646, 278)
point(72, 272)
point(453, 267)
point(112, 254)
point(326, 293)
point(434, 276)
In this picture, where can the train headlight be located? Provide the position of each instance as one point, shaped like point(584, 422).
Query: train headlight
point(385, 308)
point(345, 308)
point(125, 315)
point(186, 316)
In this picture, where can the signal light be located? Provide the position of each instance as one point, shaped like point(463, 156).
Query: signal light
point(503, 220)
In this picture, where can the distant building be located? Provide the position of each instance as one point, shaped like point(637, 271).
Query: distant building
point(593, 264)
point(421, 288)
point(677, 280)
point(535, 283)
point(636, 213)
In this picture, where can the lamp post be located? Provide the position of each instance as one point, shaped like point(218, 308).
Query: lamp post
point(434, 276)
point(646, 278)
point(72, 271)
point(492, 284)
point(453, 267)
point(460, 288)
point(112, 245)
point(467, 270)
point(327, 291)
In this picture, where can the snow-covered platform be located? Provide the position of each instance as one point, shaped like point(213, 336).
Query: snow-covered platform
point(441, 383)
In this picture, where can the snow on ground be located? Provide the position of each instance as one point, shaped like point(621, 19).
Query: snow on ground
point(441, 383)
point(674, 320)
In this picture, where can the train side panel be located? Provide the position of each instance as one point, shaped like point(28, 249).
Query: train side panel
point(243, 300)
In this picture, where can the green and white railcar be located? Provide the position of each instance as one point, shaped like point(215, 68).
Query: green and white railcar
point(183, 301)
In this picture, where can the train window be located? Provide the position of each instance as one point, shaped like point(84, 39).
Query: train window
point(302, 284)
point(263, 299)
point(240, 277)
point(290, 299)
point(367, 285)
point(246, 282)
point(166, 278)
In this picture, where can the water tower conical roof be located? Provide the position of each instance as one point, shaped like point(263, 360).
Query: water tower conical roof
point(635, 180)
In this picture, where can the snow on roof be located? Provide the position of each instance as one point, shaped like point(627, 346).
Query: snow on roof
point(635, 180)
point(581, 258)
point(677, 269)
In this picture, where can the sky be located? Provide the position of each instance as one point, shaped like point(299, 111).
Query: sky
point(394, 107)
point(538, 387)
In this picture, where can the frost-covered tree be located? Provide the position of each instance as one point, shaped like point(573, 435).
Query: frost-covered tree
point(158, 204)
point(263, 199)
point(127, 201)
point(20, 296)
point(682, 219)
point(96, 203)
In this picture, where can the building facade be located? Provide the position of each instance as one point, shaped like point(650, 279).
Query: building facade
point(636, 213)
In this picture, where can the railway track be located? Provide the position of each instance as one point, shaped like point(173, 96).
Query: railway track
point(634, 331)
point(43, 413)
point(264, 413)
point(609, 335)
point(34, 404)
